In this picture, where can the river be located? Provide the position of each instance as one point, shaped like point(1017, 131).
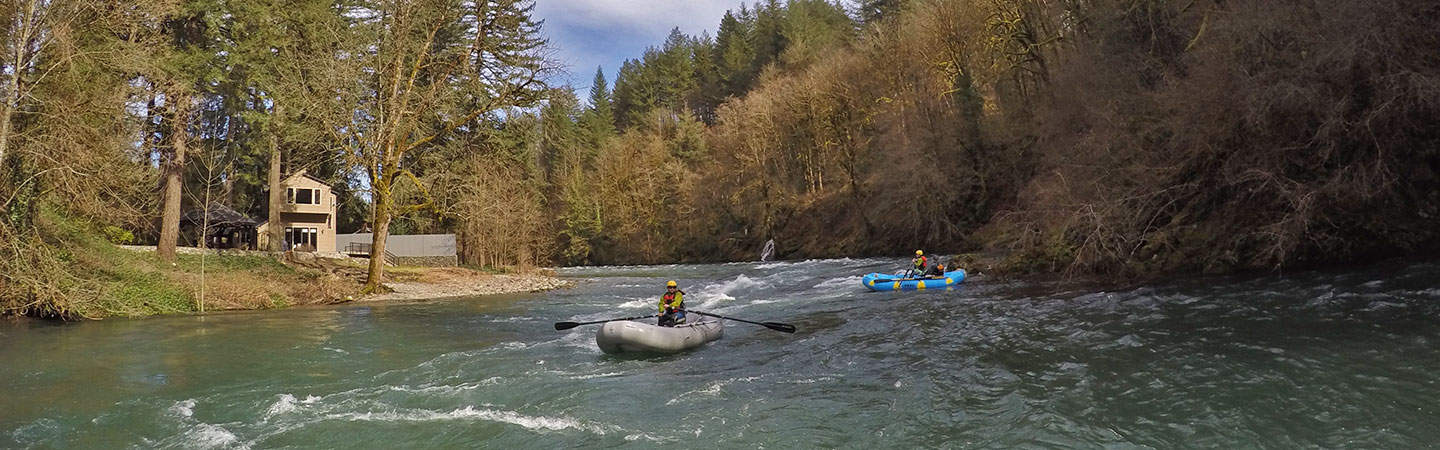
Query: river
point(1328, 359)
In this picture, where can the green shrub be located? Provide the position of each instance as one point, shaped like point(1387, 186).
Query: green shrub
point(117, 235)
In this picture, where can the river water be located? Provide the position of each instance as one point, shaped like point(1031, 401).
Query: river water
point(1328, 359)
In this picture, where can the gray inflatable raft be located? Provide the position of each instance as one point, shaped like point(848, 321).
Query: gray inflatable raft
point(628, 336)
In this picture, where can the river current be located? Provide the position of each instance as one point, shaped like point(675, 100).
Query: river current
point(1313, 359)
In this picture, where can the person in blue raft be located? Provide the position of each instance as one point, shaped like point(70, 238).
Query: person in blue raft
point(672, 305)
point(920, 267)
point(917, 265)
point(936, 271)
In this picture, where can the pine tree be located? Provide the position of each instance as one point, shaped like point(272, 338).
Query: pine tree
point(813, 28)
point(709, 90)
point(273, 46)
point(675, 70)
point(733, 55)
point(599, 119)
point(625, 95)
point(768, 37)
point(873, 11)
point(188, 67)
point(599, 92)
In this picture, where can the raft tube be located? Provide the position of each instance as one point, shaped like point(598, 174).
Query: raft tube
point(630, 336)
point(884, 282)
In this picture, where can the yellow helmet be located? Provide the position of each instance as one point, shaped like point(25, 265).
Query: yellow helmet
point(919, 253)
point(670, 283)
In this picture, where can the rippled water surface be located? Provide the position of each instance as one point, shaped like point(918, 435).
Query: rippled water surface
point(1328, 359)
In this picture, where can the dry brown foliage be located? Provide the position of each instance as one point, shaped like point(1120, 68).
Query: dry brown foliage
point(498, 212)
point(638, 182)
point(1236, 135)
point(878, 149)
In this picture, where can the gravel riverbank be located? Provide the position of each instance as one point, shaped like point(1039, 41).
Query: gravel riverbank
point(441, 283)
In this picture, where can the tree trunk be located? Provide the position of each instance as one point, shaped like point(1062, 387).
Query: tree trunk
point(204, 243)
point(5, 114)
point(174, 169)
point(13, 178)
point(380, 191)
point(277, 196)
point(19, 40)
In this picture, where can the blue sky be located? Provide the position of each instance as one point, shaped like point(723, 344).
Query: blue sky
point(590, 33)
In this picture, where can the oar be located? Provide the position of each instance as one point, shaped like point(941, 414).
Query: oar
point(569, 325)
point(777, 326)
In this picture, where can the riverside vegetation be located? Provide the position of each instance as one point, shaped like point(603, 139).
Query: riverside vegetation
point(1114, 138)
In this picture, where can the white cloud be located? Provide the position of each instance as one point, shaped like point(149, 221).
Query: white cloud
point(590, 33)
point(637, 17)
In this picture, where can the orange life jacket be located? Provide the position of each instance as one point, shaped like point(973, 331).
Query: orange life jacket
point(672, 300)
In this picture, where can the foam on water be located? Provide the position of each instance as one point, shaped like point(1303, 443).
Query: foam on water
point(539, 423)
point(196, 434)
point(596, 375)
point(839, 284)
point(183, 408)
point(512, 346)
point(580, 339)
point(444, 390)
point(809, 380)
point(712, 295)
point(286, 404)
point(640, 303)
point(206, 436)
point(711, 390)
point(513, 319)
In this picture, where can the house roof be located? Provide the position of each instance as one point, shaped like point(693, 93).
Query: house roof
point(219, 215)
point(303, 173)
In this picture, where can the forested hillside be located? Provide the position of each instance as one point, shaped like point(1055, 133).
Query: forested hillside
point(1124, 138)
point(1115, 137)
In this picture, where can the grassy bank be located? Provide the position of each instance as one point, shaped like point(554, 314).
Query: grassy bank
point(65, 268)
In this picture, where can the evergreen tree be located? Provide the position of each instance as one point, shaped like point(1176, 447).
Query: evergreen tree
point(813, 28)
point(768, 37)
point(873, 11)
point(272, 84)
point(599, 91)
point(187, 69)
point(709, 90)
point(733, 55)
point(598, 120)
point(625, 95)
point(674, 68)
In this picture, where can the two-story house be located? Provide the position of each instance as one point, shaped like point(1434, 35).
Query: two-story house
point(307, 215)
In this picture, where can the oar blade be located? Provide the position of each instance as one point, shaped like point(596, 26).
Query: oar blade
point(781, 327)
point(565, 325)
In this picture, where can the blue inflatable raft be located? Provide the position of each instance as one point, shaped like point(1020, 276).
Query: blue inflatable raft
point(884, 282)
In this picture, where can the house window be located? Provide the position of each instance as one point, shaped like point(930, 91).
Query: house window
point(302, 239)
point(302, 196)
